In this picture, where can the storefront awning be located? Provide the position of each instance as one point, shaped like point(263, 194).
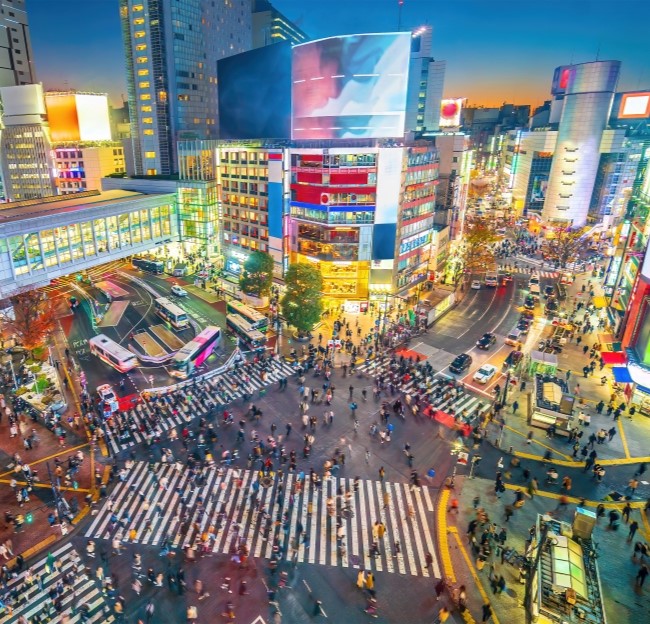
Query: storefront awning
point(621, 374)
point(599, 302)
point(604, 339)
point(613, 357)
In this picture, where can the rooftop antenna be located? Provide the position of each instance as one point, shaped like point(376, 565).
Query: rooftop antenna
point(400, 4)
point(598, 51)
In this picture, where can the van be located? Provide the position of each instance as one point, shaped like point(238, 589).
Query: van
point(534, 290)
point(491, 279)
point(534, 279)
point(514, 337)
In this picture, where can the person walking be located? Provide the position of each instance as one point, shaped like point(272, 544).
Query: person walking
point(641, 575)
point(515, 406)
point(382, 473)
point(634, 527)
point(439, 588)
point(486, 612)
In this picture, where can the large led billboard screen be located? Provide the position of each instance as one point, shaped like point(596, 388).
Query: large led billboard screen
point(450, 110)
point(352, 86)
point(78, 117)
point(255, 94)
point(635, 106)
point(93, 117)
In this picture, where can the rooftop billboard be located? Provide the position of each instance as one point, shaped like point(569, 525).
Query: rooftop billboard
point(353, 86)
point(75, 117)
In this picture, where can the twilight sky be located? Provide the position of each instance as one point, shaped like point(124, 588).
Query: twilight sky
point(496, 50)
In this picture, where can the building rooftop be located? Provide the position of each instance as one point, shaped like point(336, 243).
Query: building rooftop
point(58, 204)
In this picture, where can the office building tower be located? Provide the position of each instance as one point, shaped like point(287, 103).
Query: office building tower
point(426, 82)
point(16, 67)
point(172, 49)
point(270, 26)
point(81, 168)
point(588, 90)
point(25, 148)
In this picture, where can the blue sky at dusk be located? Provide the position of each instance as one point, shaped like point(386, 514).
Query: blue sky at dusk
point(496, 50)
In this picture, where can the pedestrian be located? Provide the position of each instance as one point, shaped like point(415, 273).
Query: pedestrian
point(626, 512)
point(439, 587)
point(443, 615)
point(428, 560)
point(515, 407)
point(487, 612)
point(634, 526)
point(361, 579)
point(611, 433)
point(382, 473)
point(632, 485)
point(641, 576)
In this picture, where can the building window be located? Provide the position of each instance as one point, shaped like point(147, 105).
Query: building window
point(138, 21)
point(145, 96)
point(148, 132)
point(143, 72)
point(137, 7)
point(150, 154)
point(146, 109)
point(141, 47)
point(139, 34)
point(144, 84)
point(142, 59)
point(152, 171)
point(147, 120)
point(183, 98)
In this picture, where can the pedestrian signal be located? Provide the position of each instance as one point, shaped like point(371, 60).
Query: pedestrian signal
point(29, 518)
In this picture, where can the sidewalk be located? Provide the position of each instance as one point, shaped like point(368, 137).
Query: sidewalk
point(623, 602)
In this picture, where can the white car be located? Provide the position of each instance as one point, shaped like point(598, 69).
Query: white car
point(476, 285)
point(178, 291)
point(108, 396)
point(485, 373)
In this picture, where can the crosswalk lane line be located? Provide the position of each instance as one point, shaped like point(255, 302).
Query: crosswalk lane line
point(416, 536)
point(385, 542)
point(395, 532)
point(407, 548)
point(435, 567)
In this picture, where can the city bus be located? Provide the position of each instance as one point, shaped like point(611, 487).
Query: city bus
point(145, 264)
point(195, 352)
point(254, 318)
point(113, 354)
point(254, 338)
point(172, 313)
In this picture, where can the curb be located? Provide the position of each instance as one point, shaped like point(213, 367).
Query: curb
point(34, 550)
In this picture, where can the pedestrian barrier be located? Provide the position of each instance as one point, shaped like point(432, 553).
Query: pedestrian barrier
point(308, 531)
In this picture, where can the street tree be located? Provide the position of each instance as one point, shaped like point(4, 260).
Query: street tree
point(477, 251)
point(257, 277)
point(302, 304)
point(565, 245)
point(30, 319)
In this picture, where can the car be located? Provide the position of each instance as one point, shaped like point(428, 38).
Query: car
point(549, 291)
point(476, 285)
point(552, 306)
point(507, 276)
point(485, 373)
point(523, 325)
point(108, 396)
point(529, 302)
point(486, 341)
point(178, 291)
point(534, 280)
point(461, 363)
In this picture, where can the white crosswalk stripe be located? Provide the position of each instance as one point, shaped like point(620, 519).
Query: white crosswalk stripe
point(528, 270)
point(140, 503)
point(33, 600)
point(131, 428)
point(469, 406)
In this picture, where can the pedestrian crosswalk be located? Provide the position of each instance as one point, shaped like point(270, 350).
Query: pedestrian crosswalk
point(157, 415)
point(222, 513)
point(440, 396)
point(529, 270)
point(28, 595)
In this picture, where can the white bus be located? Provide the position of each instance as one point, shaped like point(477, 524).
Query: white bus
point(254, 318)
point(254, 338)
point(113, 354)
point(195, 352)
point(172, 313)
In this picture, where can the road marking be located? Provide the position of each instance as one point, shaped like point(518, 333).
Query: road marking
point(567, 457)
point(626, 450)
point(443, 536)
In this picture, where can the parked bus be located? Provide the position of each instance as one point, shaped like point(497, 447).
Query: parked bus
point(172, 313)
point(254, 338)
point(195, 352)
point(254, 318)
point(113, 354)
point(151, 266)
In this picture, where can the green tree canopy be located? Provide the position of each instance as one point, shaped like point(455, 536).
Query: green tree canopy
point(565, 245)
point(478, 245)
point(302, 303)
point(257, 277)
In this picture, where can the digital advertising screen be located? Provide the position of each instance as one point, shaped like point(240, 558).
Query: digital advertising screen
point(93, 118)
point(538, 191)
point(352, 86)
point(635, 106)
point(450, 110)
point(255, 94)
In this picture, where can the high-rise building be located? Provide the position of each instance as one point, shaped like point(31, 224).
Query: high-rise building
point(25, 147)
point(425, 86)
point(270, 26)
point(588, 92)
point(81, 168)
point(16, 67)
point(172, 49)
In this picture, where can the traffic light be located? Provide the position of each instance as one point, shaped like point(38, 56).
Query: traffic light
point(29, 518)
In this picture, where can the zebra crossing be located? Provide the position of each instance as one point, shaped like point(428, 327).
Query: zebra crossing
point(529, 270)
point(22, 596)
point(147, 508)
point(469, 406)
point(133, 426)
